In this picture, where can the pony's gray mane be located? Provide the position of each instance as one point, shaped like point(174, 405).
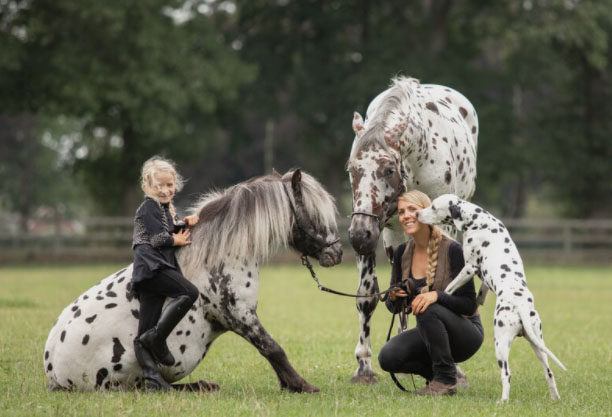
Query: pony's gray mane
point(251, 219)
point(400, 90)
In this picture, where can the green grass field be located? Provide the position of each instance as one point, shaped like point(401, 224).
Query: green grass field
point(318, 331)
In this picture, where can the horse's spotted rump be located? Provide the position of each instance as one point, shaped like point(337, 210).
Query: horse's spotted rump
point(118, 350)
point(100, 376)
point(99, 354)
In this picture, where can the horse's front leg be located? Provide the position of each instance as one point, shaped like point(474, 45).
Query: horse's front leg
point(368, 284)
point(251, 329)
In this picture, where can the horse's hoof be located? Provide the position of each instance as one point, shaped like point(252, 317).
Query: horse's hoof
point(206, 386)
point(364, 379)
point(304, 388)
point(309, 389)
point(157, 385)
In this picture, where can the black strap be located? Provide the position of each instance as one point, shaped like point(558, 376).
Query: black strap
point(391, 374)
point(323, 288)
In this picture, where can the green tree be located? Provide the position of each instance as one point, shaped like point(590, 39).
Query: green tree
point(141, 82)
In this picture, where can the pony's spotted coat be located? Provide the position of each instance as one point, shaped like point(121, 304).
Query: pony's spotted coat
point(91, 344)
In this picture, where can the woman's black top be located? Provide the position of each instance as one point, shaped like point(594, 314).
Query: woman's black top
point(463, 301)
point(153, 241)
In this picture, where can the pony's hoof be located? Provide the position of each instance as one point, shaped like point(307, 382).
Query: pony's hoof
point(309, 389)
point(304, 388)
point(364, 379)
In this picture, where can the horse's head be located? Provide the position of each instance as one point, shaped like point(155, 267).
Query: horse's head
point(315, 232)
point(375, 173)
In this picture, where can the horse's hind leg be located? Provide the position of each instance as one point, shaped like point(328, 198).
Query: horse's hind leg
point(288, 378)
point(368, 284)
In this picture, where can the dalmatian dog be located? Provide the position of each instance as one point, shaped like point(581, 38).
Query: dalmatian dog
point(491, 254)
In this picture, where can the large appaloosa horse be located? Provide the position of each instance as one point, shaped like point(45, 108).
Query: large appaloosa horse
point(91, 344)
point(414, 136)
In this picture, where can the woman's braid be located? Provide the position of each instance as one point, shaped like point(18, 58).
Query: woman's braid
point(432, 256)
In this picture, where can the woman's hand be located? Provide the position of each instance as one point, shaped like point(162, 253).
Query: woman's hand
point(182, 237)
point(422, 301)
point(393, 294)
point(191, 220)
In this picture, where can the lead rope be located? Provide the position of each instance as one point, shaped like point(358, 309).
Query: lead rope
point(307, 264)
point(403, 321)
point(404, 325)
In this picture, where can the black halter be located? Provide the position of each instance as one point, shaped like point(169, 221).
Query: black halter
point(393, 199)
point(302, 230)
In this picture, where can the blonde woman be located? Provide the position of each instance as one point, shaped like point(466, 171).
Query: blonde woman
point(157, 276)
point(448, 327)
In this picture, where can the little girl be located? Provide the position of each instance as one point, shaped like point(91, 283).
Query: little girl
point(157, 275)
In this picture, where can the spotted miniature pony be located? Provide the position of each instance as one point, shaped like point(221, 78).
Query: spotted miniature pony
point(414, 136)
point(90, 345)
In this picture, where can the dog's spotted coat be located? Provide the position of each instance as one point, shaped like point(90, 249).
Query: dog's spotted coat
point(491, 254)
point(418, 136)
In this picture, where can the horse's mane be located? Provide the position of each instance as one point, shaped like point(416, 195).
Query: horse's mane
point(400, 91)
point(251, 219)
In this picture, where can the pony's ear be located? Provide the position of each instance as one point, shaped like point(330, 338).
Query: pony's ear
point(296, 185)
point(357, 123)
point(276, 173)
point(455, 211)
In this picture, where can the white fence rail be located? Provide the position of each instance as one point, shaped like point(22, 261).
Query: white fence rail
point(109, 239)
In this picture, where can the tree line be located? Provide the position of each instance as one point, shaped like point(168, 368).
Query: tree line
point(232, 89)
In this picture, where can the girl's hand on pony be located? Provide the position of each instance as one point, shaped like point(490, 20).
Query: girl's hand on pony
point(182, 237)
point(191, 220)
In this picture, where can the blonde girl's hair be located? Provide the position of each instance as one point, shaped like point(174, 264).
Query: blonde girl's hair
point(147, 177)
point(421, 199)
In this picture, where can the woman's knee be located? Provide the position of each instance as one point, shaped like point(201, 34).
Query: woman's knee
point(432, 312)
point(386, 358)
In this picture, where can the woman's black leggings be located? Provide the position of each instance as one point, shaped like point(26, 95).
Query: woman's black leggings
point(441, 339)
point(154, 291)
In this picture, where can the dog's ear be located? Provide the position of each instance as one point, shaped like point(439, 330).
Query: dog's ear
point(455, 211)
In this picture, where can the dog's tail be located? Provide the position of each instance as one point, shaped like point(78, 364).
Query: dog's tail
point(523, 311)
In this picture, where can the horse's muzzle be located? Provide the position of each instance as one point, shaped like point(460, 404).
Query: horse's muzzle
point(364, 234)
point(331, 255)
